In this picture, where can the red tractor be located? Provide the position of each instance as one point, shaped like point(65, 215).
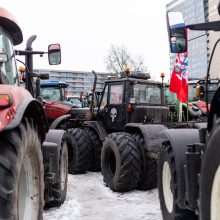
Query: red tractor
point(55, 100)
point(33, 159)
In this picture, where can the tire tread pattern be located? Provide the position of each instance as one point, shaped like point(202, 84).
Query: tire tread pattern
point(130, 162)
point(82, 151)
point(149, 175)
point(14, 144)
point(97, 148)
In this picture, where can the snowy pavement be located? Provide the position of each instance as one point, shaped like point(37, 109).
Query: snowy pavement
point(89, 199)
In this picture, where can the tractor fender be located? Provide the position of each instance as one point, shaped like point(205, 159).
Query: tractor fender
point(30, 108)
point(52, 147)
point(152, 133)
point(179, 139)
point(57, 121)
point(99, 128)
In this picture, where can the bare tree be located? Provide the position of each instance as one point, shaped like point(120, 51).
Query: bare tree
point(119, 58)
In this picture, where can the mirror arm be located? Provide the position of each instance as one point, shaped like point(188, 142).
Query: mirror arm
point(27, 52)
point(213, 25)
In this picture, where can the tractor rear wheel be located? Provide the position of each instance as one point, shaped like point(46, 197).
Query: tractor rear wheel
point(22, 174)
point(82, 151)
point(149, 175)
point(121, 162)
point(167, 183)
point(97, 147)
point(210, 179)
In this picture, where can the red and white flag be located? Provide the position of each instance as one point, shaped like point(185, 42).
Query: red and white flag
point(179, 77)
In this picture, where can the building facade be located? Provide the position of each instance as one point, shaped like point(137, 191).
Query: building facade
point(78, 81)
point(194, 11)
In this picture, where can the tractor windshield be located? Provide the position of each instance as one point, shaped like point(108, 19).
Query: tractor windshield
point(8, 69)
point(192, 92)
point(51, 93)
point(147, 93)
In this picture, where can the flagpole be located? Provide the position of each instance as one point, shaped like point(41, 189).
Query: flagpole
point(180, 111)
point(187, 110)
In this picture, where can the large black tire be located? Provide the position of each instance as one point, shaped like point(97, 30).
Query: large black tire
point(70, 144)
point(22, 173)
point(121, 162)
point(59, 188)
point(149, 175)
point(97, 148)
point(82, 151)
point(210, 178)
point(167, 187)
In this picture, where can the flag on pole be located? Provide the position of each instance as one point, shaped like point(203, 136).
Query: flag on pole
point(179, 77)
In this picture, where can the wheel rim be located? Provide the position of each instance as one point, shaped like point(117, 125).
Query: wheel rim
point(64, 170)
point(215, 196)
point(28, 193)
point(167, 193)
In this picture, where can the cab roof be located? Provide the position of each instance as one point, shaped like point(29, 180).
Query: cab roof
point(8, 22)
point(133, 80)
point(53, 84)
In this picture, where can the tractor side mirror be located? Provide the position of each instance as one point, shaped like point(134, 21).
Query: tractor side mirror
point(54, 54)
point(200, 91)
point(177, 32)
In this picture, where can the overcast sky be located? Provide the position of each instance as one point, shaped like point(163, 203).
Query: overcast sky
point(86, 29)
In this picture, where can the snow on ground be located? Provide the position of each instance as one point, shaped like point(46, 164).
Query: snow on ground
point(89, 199)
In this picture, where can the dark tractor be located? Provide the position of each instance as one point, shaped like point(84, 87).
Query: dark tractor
point(121, 145)
point(189, 160)
point(33, 159)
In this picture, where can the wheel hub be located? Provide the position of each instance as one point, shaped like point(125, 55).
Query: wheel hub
point(168, 195)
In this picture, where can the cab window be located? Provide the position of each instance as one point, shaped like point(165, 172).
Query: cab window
point(8, 69)
point(104, 97)
point(147, 94)
point(116, 94)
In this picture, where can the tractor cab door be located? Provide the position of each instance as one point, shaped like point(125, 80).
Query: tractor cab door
point(115, 107)
point(111, 106)
point(102, 109)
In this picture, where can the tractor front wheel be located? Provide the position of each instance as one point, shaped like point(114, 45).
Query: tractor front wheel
point(121, 162)
point(22, 174)
point(210, 179)
point(167, 186)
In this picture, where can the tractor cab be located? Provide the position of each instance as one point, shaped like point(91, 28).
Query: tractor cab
point(53, 90)
point(10, 35)
point(196, 106)
point(132, 98)
point(54, 94)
